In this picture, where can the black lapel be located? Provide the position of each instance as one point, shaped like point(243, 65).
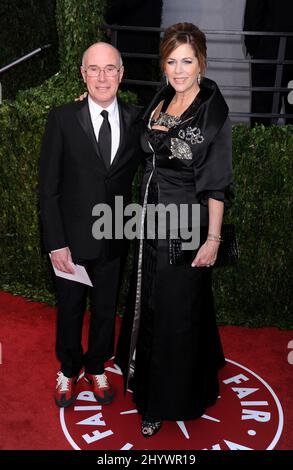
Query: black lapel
point(84, 118)
point(124, 123)
point(164, 92)
point(208, 118)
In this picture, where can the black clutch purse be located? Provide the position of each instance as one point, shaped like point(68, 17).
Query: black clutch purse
point(228, 252)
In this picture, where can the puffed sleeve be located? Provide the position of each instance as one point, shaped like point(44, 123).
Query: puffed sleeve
point(213, 171)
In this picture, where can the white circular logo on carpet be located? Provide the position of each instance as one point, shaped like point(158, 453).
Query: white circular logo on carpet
point(247, 416)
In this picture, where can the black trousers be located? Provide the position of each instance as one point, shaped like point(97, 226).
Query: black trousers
point(262, 101)
point(72, 298)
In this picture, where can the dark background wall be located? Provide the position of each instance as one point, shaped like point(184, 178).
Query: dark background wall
point(138, 13)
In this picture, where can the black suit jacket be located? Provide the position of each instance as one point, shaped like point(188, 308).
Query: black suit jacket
point(74, 178)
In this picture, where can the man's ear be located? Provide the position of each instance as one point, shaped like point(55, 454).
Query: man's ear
point(121, 72)
point(83, 73)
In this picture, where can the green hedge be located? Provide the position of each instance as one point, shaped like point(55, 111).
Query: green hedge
point(257, 291)
point(78, 27)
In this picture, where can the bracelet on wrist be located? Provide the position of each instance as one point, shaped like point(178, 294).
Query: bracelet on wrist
point(215, 238)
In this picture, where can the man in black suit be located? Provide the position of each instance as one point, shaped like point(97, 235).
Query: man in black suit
point(90, 153)
point(270, 16)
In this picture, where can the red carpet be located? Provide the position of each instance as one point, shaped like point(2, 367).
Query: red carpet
point(256, 389)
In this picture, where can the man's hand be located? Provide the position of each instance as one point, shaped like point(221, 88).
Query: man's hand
point(62, 260)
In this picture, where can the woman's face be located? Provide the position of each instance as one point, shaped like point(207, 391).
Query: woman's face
point(182, 69)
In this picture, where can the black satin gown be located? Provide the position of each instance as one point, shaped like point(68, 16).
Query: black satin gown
point(170, 320)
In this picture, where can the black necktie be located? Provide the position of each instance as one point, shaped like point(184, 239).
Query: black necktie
point(105, 139)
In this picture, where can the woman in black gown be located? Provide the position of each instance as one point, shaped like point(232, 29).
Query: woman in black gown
point(169, 344)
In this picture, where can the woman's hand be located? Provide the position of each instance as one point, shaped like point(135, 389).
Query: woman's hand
point(82, 97)
point(206, 255)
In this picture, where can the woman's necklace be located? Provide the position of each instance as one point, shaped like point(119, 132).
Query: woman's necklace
point(167, 120)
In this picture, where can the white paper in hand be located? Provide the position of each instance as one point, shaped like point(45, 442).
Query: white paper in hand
point(80, 274)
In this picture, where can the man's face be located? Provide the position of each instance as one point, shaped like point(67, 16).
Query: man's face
point(102, 85)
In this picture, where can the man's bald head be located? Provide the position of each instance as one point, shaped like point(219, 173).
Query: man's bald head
point(103, 47)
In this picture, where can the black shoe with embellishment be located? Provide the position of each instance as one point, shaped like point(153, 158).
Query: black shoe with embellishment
point(150, 427)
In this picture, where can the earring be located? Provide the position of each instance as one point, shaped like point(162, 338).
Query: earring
point(167, 81)
point(198, 78)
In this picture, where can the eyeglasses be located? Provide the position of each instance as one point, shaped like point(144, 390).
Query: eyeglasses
point(109, 70)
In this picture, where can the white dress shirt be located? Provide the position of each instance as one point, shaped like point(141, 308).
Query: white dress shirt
point(97, 120)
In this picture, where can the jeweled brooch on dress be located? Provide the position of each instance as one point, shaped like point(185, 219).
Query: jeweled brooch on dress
point(180, 149)
point(192, 135)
